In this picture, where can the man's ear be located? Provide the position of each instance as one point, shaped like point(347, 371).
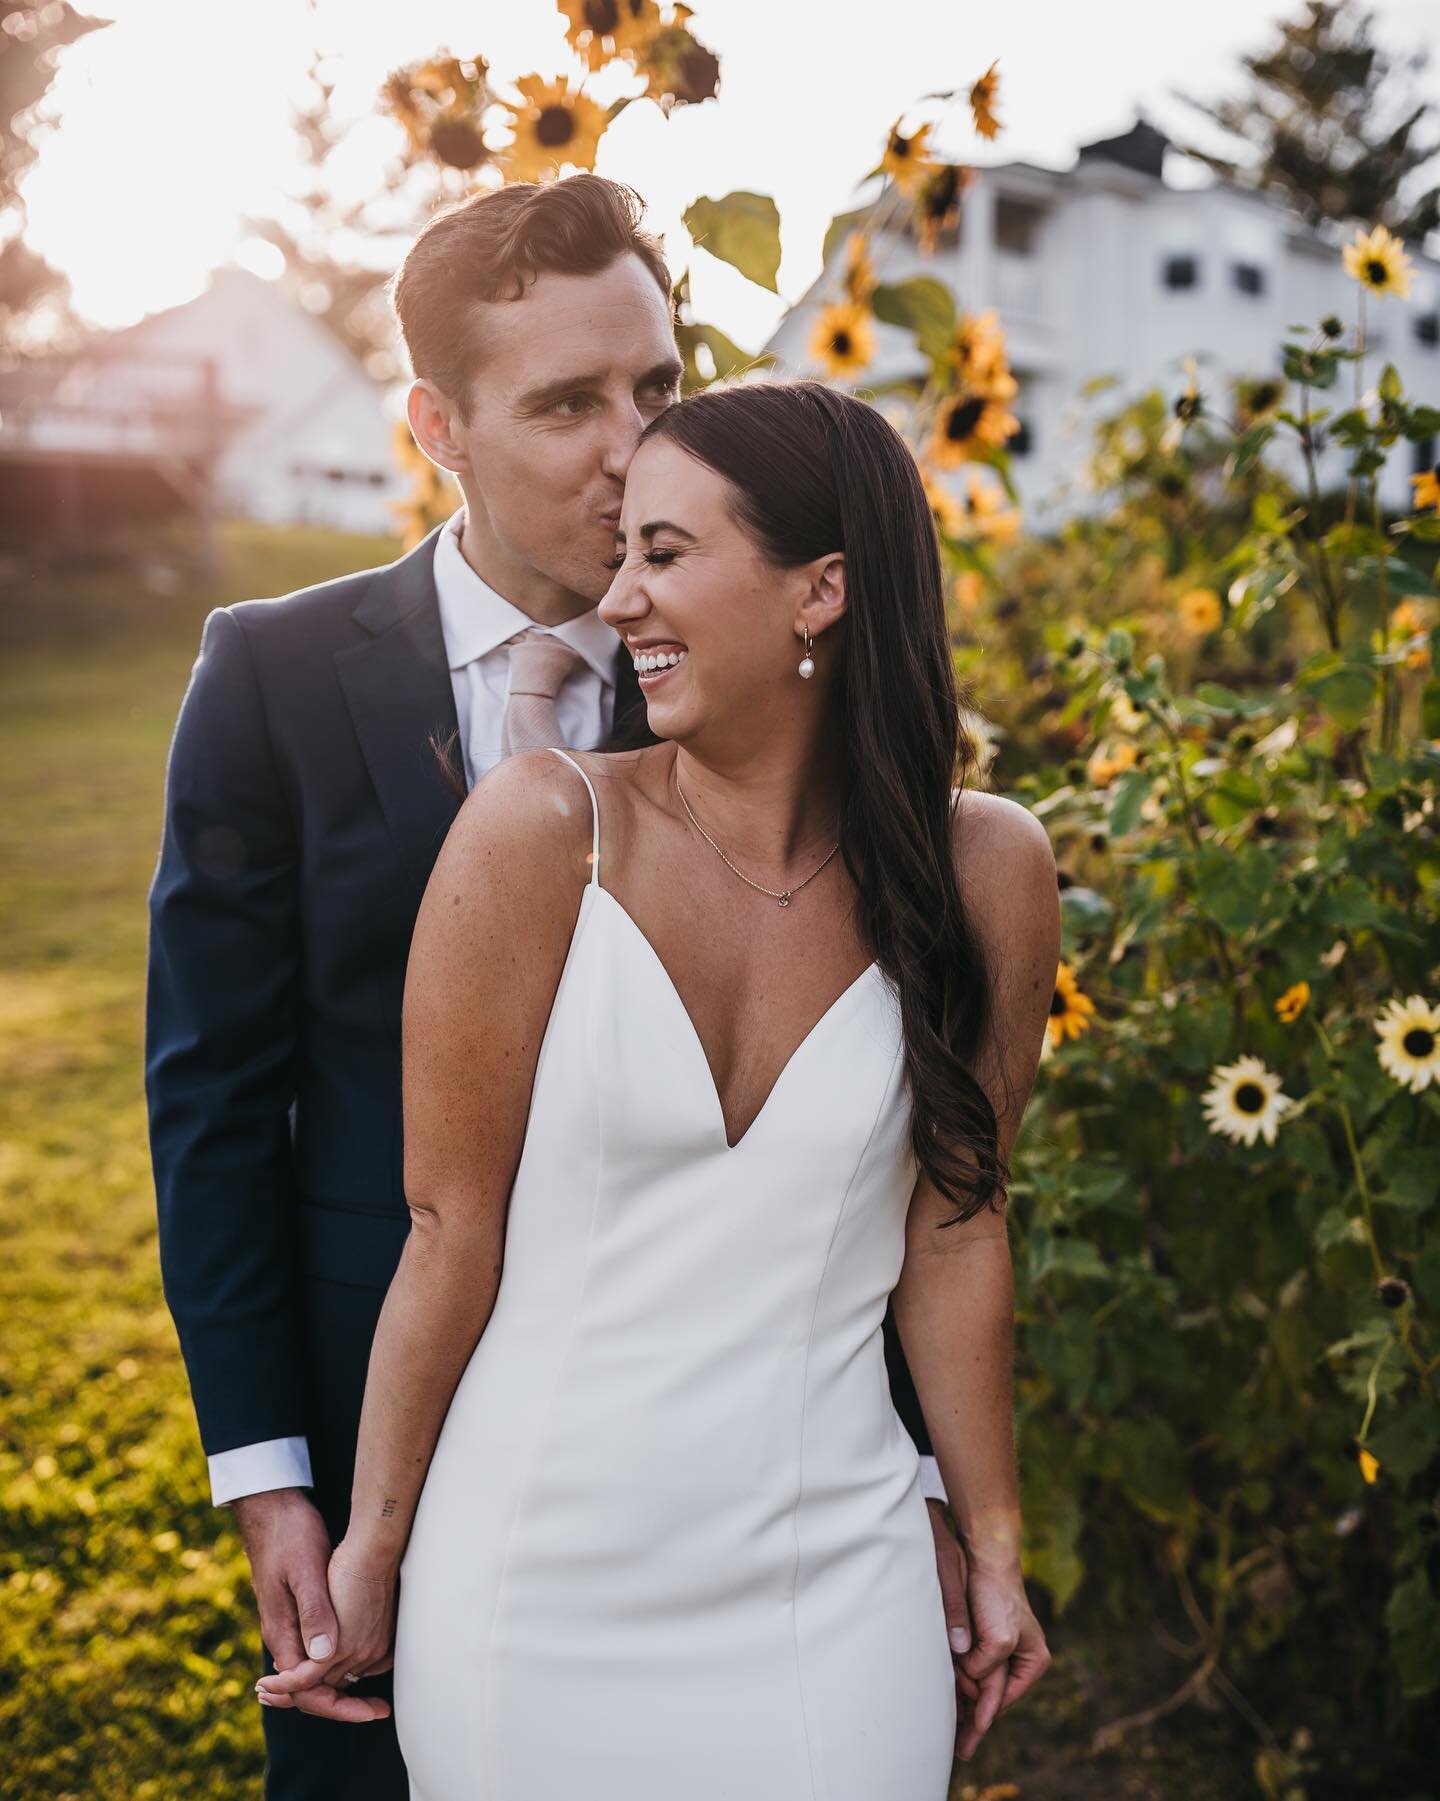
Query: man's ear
point(433, 422)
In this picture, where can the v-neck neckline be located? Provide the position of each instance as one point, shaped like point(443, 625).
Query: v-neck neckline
point(717, 1102)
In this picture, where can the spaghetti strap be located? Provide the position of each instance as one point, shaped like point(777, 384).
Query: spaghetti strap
point(594, 813)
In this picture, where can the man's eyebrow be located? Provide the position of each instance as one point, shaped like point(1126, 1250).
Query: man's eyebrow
point(669, 370)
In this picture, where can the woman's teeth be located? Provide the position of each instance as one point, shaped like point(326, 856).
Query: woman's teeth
point(647, 662)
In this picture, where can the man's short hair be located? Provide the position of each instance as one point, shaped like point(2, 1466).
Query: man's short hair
point(491, 246)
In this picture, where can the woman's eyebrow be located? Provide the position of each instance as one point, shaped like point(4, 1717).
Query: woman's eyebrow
point(665, 525)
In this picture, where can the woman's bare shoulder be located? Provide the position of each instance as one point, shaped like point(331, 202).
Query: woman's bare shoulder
point(1006, 867)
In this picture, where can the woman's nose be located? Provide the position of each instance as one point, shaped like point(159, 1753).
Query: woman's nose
point(624, 600)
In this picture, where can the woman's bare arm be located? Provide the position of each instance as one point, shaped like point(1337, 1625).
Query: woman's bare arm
point(489, 946)
point(954, 1303)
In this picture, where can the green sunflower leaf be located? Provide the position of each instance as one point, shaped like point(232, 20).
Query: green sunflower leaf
point(923, 306)
point(742, 229)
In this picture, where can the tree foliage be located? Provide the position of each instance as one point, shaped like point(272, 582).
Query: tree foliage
point(1332, 129)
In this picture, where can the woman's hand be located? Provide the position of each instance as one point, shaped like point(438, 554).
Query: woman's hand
point(364, 1602)
point(1007, 1654)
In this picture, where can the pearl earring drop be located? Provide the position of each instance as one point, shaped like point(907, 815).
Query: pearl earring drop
point(807, 662)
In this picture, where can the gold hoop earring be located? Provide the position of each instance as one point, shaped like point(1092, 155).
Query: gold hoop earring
point(807, 662)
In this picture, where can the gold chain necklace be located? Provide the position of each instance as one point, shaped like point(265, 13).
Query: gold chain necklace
point(776, 894)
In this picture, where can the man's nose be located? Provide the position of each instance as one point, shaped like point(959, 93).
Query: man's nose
point(621, 440)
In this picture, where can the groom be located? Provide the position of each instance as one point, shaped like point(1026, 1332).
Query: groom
point(305, 804)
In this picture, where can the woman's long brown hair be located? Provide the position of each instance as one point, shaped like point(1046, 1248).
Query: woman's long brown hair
point(814, 471)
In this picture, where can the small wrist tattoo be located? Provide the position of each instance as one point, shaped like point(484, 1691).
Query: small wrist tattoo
point(387, 1512)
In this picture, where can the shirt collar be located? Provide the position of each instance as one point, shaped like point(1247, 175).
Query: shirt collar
point(475, 620)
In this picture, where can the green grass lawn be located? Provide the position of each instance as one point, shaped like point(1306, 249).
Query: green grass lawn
point(128, 1643)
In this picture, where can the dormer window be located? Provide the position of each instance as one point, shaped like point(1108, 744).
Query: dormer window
point(1181, 271)
point(1427, 328)
point(1249, 278)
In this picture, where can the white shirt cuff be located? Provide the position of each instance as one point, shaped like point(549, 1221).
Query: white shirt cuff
point(931, 1486)
point(253, 1469)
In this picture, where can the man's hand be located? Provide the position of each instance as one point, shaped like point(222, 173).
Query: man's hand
point(998, 1648)
point(951, 1564)
point(365, 1603)
point(289, 1551)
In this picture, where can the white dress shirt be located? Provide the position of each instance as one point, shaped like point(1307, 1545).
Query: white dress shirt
point(476, 623)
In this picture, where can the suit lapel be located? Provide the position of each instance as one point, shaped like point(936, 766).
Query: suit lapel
point(397, 687)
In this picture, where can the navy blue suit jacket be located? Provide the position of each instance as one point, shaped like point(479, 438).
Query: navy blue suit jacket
point(304, 809)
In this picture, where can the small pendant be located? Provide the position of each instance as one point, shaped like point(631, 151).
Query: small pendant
point(785, 899)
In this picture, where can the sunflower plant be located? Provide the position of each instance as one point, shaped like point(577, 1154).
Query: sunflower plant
point(1228, 1261)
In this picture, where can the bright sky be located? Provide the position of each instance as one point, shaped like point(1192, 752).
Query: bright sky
point(174, 121)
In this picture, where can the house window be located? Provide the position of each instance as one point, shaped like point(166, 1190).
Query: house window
point(1249, 278)
point(1020, 443)
point(1017, 226)
point(1424, 455)
point(1427, 329)
point(1181, 272)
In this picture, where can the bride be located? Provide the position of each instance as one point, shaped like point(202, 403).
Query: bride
point(709, 1047)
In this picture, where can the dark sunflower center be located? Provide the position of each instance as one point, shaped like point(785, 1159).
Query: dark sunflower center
point(1419, 1043)
point(602, 16)
point(940, 195)
point(1250, 1097)
point(1058, 1006)
point(840, 343)
point(555, 126)
point(899, 146)
point(963, 417)
point(1375, 271)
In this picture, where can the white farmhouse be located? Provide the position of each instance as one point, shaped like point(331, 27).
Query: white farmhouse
point(1104, 269)
point(238, 403)
point(312, 444)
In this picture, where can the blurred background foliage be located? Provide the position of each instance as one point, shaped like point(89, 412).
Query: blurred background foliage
point(1217, 688)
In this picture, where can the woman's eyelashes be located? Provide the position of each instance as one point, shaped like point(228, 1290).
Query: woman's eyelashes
point(656, 557)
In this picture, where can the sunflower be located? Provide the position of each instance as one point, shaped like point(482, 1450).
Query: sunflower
point(858, 275)
point(938, 208)
point(982, 102)
point(1106, 763)
point(554, 126)
point(603, 29)
point(971, 420)
point(1409, 1033)
point(907, 161)
point(843, 339)
point(1199, 611)
point(1070, 1010)
point(969, 590)
point(1378, 261)
point(677, 67)
point(1427, 488)
point(986, 515)
point(1407, 622)
point(945, 509)
point(1293, 1003)
point(1244, 1101)
point(1257, 400)
point(977, 351)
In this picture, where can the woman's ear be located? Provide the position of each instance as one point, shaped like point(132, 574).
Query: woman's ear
point(824, 600)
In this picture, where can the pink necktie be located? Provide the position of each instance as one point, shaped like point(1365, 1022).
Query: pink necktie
point(540, 663)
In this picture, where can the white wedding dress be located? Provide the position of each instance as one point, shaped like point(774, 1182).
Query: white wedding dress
point(672, 1544)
